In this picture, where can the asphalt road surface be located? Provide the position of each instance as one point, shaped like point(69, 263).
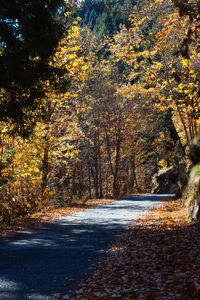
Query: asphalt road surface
point(48, 262)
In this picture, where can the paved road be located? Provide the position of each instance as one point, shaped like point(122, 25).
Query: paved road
point(49, 261)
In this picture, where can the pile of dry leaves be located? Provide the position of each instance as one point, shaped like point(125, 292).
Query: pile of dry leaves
point(156, 258)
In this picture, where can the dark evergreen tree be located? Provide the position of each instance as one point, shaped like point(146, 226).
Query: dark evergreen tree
point(104, 17)
point(30, 31)
point(92, 18)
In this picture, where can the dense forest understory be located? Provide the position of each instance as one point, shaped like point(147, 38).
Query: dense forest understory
point(95, 107)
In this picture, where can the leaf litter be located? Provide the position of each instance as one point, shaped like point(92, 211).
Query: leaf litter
point(157, 257)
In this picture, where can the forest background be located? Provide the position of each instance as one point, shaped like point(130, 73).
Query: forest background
point(117, 103)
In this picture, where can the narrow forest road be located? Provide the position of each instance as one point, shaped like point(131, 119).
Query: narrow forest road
point(48, 262)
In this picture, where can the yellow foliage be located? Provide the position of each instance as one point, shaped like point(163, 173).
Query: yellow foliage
point(162, 163)
point(185, 63)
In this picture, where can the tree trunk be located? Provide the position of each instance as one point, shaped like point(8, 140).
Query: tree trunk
point(116, 187)
point(72, 188)
point(45, 169)
point(89, 183)
point(100, 172)
point(96, 167)
point(133, 173)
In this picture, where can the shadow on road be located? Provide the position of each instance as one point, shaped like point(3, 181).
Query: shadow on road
point(49, 262)
point(156, 197)
point(52, 259)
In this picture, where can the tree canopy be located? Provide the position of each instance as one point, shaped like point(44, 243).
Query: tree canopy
point(131, 109)
point(30, 31)
point(104, 17)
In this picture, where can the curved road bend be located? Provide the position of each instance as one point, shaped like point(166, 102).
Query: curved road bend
point(48, 262)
